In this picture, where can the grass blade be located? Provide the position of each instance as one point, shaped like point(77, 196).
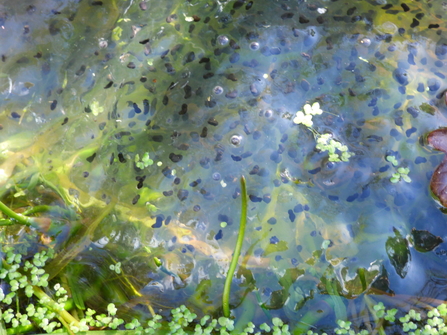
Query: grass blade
point(237, 250)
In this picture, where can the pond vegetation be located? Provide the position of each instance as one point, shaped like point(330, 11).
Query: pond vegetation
point(267, 164)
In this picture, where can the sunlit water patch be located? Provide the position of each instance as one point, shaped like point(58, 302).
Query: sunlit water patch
point(164, 109)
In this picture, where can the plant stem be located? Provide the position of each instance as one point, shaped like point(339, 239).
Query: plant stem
point(237, 250)
point(6, 222)
point(66, 325)
point(68, 318)
point(13, 215)
point(54, 209)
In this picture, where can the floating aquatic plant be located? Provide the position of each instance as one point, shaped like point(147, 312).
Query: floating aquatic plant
point(401, 173)
point(392, 160)
point(96, 108)
point(25, 275)
point(144, 162)
point(305, 117)
point(337, 151)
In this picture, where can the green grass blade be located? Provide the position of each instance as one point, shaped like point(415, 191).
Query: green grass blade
point(237, 250)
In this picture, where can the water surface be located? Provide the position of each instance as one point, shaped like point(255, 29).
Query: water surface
point(210, 89)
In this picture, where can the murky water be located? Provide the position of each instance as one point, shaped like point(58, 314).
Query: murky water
point(209, 90)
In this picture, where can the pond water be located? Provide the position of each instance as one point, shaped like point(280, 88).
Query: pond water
point(142, 118)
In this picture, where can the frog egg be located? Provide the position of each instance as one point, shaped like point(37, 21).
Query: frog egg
point(236, 140)
point(365, 41)
point(254, 45)
point(218, 90)
point(222, 40)
point(387, 28)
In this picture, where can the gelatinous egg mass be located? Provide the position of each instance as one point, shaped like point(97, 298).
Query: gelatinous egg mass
point(322, 106)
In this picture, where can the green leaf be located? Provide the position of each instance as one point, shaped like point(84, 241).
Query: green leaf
point(392, 160)
point(406, 178)
point(398, 253)
point(394, 180)
point(111, 309)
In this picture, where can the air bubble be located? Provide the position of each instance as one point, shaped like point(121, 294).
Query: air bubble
point(236, 140)
point(254, 46)
point(218, 90)
point(216, 176)
point(365, 41)
point(222, 40)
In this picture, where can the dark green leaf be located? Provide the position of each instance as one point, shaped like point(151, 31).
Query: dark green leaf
point(398, 253)
point(424, 241)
